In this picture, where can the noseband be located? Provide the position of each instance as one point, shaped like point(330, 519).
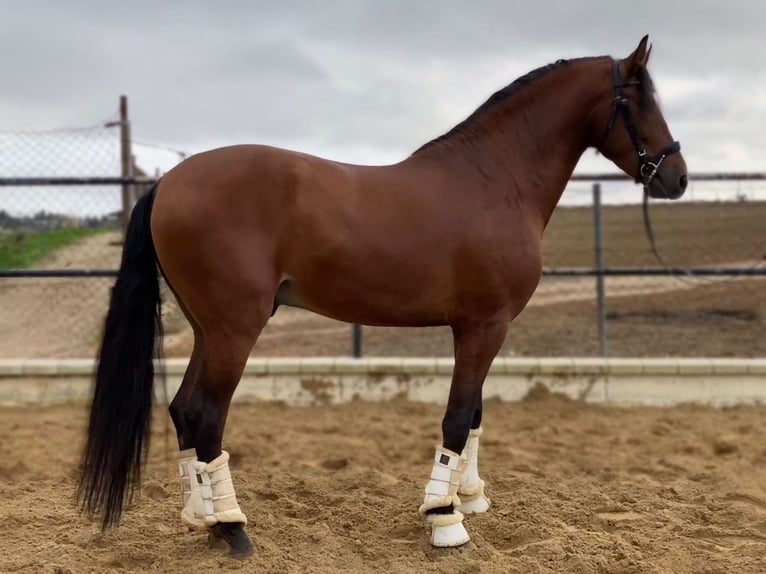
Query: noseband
point(647, 166)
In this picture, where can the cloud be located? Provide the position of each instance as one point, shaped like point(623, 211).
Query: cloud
point(365, 81)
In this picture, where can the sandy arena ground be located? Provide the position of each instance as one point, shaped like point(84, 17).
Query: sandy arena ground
point(576, 488)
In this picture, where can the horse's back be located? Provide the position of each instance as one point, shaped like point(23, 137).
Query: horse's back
point(236, 171)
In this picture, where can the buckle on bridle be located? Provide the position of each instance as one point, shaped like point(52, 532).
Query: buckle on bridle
point(648, 177)
point(654, 166)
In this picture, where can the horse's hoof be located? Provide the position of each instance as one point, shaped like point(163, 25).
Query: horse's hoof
point(476, 505)
point(215, 540)
point(447, 530)
point(449, 536)
point(242, 553)
point(231, 535)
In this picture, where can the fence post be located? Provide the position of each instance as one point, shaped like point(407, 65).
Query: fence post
point(603, 347)
point(356, 341)
point(126, 158)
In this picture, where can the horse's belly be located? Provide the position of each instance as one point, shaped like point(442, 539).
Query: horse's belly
point(344, 299)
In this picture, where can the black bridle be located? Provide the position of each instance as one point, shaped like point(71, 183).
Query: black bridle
point(647, 166)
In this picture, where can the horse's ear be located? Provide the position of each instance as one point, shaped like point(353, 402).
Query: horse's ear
point(638, 58)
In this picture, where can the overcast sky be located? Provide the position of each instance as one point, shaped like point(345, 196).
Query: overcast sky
point(367, 81)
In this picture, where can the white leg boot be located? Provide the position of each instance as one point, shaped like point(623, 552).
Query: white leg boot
point(208, 493)
point(471, 489)
point(219, 500)
point(447, 530)
point(193, 512)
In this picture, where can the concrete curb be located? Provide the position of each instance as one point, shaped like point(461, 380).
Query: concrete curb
point(333, 380)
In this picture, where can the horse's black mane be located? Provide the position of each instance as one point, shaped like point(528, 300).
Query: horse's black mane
point(499, 96)
point(645, 87)
point(515, 86)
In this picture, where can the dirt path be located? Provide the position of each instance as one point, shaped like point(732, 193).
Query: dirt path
point(576, 488)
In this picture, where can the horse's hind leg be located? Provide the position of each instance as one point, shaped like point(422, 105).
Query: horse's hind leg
point(192, 512)
point(225, 345)
point(178, 404)
point(224, 360)
point(475, 348)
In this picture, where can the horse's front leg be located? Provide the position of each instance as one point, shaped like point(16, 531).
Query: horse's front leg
point(455, 465)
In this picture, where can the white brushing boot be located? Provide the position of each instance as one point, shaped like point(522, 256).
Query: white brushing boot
point(447, 530)
point(471, 488)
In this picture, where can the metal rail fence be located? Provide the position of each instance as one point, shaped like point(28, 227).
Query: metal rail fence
point(599, 270)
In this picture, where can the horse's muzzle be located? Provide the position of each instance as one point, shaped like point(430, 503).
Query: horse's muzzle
point(668, 183)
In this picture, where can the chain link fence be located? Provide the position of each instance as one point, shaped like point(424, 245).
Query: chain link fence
point(55, 227)
point(78, 227)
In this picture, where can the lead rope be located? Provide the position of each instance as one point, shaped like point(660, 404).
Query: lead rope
point(679, 273)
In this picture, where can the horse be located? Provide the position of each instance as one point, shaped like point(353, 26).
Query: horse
point(449, 236)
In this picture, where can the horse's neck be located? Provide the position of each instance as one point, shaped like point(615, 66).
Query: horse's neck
point(527, 147)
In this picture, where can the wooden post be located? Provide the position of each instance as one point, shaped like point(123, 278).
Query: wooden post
point(126, 161)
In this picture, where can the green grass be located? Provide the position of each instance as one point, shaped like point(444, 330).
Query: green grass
point(21, 250)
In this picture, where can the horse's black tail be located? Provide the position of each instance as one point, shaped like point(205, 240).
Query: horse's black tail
point(120, 415)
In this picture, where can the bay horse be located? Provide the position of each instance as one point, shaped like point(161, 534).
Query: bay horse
point(449, 236)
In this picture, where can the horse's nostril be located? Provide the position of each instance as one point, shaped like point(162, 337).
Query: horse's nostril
point(683, 181)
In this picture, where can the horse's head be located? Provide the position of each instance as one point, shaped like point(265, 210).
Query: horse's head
point(636, 137)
